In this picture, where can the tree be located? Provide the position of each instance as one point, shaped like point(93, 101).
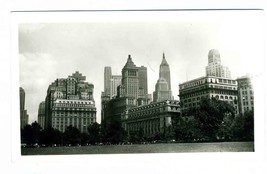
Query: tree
point(114, 133)
point(72, 135)
point(210, 121)
point(249, 125)
point(30, 134)
point(94, 133)
point(51, 136)
point(210, 115)
point(243, 127)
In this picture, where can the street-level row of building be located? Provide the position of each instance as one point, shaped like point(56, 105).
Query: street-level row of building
point(125, 97)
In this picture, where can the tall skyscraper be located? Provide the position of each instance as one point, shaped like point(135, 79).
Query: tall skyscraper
point(162, 87)
point(115, 81)
point(41, 114)
point(70, 101)
point(245, 94)
point(142, 78)
point(215, 68)
point(130, 80)
point(107, 77)
point(131, 92)
point(24, 117)
point(217, 83)
point(164, 71)
point(111, 83)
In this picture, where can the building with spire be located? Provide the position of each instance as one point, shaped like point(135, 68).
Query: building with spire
point(69, 101)
point(130, 80)
point(163, 86)
point(130, 93)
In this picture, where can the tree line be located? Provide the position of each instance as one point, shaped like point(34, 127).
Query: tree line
point(213, 120)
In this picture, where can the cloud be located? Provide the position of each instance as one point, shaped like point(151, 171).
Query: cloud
point(36, 72)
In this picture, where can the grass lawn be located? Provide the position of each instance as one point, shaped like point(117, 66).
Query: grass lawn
point(144, 148)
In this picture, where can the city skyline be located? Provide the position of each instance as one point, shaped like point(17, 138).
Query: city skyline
point(50, 51)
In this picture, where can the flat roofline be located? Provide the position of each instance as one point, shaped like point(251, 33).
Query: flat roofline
point(205, 77)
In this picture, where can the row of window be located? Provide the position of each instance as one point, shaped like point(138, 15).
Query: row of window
point(192, 84)
point(247, 103)
point(149, 127)
point(219, 97)
point(246, 92)
point(92, 108)
point(72, 105)
point(73, 121)
point(74, 113)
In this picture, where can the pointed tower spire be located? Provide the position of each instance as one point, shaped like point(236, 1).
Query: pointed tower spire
point(164, 61)
point(129, 62)
point(164, 71)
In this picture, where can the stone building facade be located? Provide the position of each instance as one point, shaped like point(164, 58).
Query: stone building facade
point(192, 91)
point(153, 118)
point(70, 101)
point(245, 94)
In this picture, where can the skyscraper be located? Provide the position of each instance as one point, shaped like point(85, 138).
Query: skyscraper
point(245, 94)
point(41, 114)
point(70, 101)
point(162, 87)
point(217, 83)
point(107, 77)
point(115, 81)
point(164, 71)
point(130, 80)
point(142, 78)
point(111, 83)
point(215, 68)
point(24, 117)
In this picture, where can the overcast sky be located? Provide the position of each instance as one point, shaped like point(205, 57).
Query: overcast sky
point(48, 51)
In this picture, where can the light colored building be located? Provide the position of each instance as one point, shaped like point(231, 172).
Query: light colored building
point(152, 118)
point(130, 93)
point(41, 114)
point(107, 77)
point(24, 117)
point(215, 68)
point(70, 102)
point(162, 88)
point(245, 94)
point(192, 91)
point(130, 79)
point(115, 81)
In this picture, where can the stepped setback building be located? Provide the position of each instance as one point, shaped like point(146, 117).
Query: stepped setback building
point(130, 93)
point(70, 101)
point(163, 86)
point(217, 83)
point(215, 68)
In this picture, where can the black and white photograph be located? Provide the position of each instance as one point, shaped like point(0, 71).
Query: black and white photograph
point(177, 81)
point(129, 90)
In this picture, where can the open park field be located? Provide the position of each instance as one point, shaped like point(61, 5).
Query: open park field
point(144, 148)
